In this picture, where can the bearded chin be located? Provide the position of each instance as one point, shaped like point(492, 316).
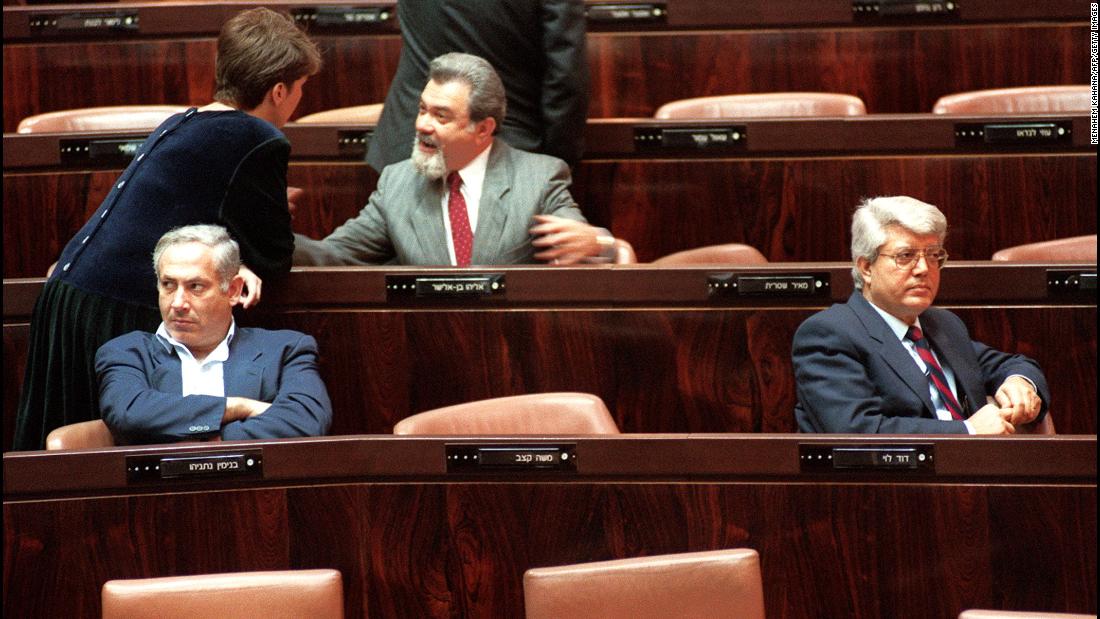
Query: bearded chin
point(431, 165)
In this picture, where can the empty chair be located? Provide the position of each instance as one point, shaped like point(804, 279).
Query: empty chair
point(1072, 249)
point(1015, 614)
point(1023, 100)
point(764, 104)
point(537, 413)
point(112, 118)
point(81, 435)
point(357, 114)
point(719, 583)
point(729, 253)
point(290, 593)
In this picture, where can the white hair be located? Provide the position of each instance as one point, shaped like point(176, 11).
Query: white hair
point(874, 215)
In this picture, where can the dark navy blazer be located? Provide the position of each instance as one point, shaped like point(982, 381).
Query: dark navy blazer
point(140, 386)
point(854, 375)
point(223, 167)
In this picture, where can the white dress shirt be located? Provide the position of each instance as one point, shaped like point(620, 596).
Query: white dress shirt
point(207, 377)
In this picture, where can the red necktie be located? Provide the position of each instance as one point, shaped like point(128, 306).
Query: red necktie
point(935, 372)
point(460, 221)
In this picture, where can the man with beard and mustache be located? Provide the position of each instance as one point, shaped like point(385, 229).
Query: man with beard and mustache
point(464, 197)
point(887, 361)
point(537, 47)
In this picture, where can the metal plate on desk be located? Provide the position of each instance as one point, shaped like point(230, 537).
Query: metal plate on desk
point(192, 466)
point(517, 458)
point(878, 458)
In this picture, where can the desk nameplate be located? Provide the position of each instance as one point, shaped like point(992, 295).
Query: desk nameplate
point(472, 285)
point(717, 138)
point(1015, 134)
point(365, 19)
point(104, 151)
point(771, 285)
point(1081, 284)
point(83, 23)
point(614, 13)
point(246, 464)
point(516, 458)
point(902, 458)
point(866, 10)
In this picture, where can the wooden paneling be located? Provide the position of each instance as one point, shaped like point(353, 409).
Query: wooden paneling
point(800, 209)
point(892, 68)
point(54, 76)
point(53, 206)
point(663, 356)
point(657, 370)
point(410, 544)
point(790, 209)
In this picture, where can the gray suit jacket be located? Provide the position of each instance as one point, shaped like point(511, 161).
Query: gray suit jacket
point(855, 376)
point(402, 222)
point(536, 46)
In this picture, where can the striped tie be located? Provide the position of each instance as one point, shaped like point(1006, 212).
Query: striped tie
point(935, 372)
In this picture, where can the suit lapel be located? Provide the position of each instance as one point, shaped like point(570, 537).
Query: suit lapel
point(950, 355)
point(167, 374)
point(892, 351)
point(493, 213)
point(426, 219)
point(242, 373)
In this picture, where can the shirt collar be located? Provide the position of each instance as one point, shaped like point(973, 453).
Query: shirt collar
point(473, 175)
point(220, 352)
point(896, 324)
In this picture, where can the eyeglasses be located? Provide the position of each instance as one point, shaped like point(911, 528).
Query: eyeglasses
point(907, 258)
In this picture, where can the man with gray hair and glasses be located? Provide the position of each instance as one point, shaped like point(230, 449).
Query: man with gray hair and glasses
point(200, 377)
point(888, 362)
point(464, 197)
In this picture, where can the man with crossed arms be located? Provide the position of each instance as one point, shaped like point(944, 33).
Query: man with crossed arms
point(200, 376)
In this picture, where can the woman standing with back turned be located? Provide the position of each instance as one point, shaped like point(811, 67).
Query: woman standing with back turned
point(225, 164)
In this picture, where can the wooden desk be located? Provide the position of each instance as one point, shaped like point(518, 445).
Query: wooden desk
point(993, 523)
point(786, 187)
point(663, 353)
point(156, 52)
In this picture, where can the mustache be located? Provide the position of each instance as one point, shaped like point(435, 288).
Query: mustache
point(427, 140)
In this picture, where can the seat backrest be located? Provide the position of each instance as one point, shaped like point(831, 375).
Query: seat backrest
point(290, 593)
point(80, 435)
point(757, 105)
point(112, 118)
point(729, 253)
point(1015, 614)
point(624, 252)
point(1023, 100)
point(1072, 249)
point(719, 583)
point(537, 413)
point(357, 114)
point(1043, 426)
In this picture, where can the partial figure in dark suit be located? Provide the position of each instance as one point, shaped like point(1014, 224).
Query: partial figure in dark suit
point(537, 47)
point(464, 197)
point(224, 163)
point(887, 361)
point(199, 376)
